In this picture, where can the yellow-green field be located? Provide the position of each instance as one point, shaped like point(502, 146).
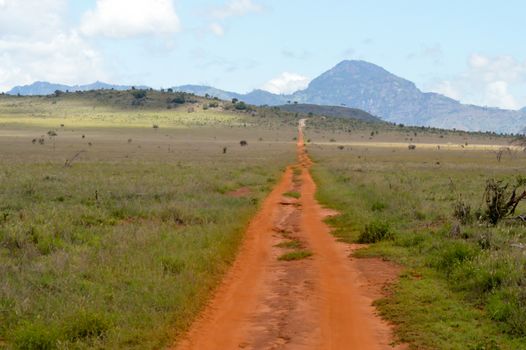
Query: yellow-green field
point(121, 246)
point(119, 216)
point(463, 280)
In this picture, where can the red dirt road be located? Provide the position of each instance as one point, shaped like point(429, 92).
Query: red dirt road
point(321, 302)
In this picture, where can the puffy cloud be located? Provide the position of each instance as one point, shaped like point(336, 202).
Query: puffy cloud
point(31, 17)
point(287, 83)
point(218, 16)
point(236, 8)
point(36, 45)
point(126, 18)
point(448, 89)
point(65, 58)
point(488, 81)
point(497, 94)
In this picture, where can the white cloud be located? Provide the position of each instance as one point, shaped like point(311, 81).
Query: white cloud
point(448, 89)
point(126, 18)
point(235, 8)
point(64, 59)
point(488, 81)
point(286, 83)
point(36, 45)
point(31, 17)
point(497, 94)
point(217, 29)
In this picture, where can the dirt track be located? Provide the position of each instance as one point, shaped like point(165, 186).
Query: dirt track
point(322, 302)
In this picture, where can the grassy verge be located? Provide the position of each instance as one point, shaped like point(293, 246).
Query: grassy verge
point(292, 194)
point(458, 291)
point(116, 256)
point(295, 255)
point(121, 248)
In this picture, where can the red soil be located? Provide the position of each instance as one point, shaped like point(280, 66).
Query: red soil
point(322, 302)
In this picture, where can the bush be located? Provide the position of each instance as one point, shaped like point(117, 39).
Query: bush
point(139, 94)
point(462, 212)
point(509, 307)
point(451, 254)
point(502, 198)
point(378, 206)
point(35, 337)
point(374, 232)
point(86, 325)
point(240, 106)
point(179, 99)
point(172, 265)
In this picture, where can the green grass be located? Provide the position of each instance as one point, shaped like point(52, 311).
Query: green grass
point(292, 194)
point(456, 293)
point(292, 244)
point(296, 255)
point(123, 248)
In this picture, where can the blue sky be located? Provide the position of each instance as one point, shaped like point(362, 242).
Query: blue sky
point(470, 50)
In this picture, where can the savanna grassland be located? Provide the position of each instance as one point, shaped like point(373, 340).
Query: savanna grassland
point(120, 212)
point(464, 277)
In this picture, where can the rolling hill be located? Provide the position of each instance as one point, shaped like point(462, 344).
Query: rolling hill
point(45, 88)
point(366, 86)
point(331, 111)
point(355, 84)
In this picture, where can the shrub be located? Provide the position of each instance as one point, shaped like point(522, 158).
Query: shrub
point(378, 206)
point(172, 265)
point(179, 99)
point(374, 232)
point(240, 106)
point(502, 199)
point(451, 254)
point(476, 279)
point(86, 325)
point(139, 94)
point(36, 336)
point(462, 212)
point(509, 307)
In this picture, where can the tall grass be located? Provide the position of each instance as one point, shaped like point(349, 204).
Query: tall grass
point(122, 248)
point(460, 291)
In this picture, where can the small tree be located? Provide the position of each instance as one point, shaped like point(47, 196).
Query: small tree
point(502, 199)
point(241, 106)
point(139, 94)
point(179, 99)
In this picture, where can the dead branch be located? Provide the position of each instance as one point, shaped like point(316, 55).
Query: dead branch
point(69, 162)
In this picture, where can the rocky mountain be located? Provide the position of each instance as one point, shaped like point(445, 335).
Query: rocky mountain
point(331, 111)
point(256, 97)
point(363, 85)
point(45, 88)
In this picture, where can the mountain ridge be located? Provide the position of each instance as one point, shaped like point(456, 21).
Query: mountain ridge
point(46, 88)
point(331, 111)
point(366, 86)
point(361, 85)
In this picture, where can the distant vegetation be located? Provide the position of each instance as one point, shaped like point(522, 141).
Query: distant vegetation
point(330, 111)
point(454, 219)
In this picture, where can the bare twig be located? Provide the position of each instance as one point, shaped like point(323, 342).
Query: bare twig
point(69, 162)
